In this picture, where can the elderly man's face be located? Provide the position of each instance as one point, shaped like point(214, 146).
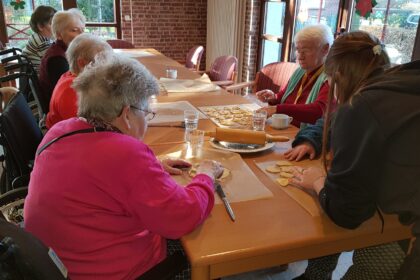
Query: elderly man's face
point(74, 28)
point(310, 55)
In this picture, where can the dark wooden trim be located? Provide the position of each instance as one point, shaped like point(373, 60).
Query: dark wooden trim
point(260, 54)
point(3, 29)
point(68, 4)
point(117, 13)
point(416, 49)
point(289, 21)
point(101, 24)
point(342, 16)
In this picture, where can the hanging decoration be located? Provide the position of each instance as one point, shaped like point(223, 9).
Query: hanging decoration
point(18, 4)
point(364, 7)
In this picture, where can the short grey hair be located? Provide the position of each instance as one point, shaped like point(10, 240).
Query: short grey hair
point(85, 46)
point(62, 19)
point(107, 85)
point(318, 33)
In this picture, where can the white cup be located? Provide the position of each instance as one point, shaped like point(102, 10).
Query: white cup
point(280, 121)
point(171, 73)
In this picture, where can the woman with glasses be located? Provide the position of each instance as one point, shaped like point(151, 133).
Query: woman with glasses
point(305, 96)
point(97, 195)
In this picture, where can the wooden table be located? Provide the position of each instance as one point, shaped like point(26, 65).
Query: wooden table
point(267, 232)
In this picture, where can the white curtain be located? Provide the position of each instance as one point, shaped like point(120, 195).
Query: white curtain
point(225, 30)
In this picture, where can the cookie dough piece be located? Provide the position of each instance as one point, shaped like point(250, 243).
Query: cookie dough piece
point(287, 169)
point(193, 171)
point(283, 163)
point(283, 181)
point(286, 175)
point(273, 169)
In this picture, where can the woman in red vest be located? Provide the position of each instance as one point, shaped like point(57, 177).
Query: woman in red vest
point(66, 25)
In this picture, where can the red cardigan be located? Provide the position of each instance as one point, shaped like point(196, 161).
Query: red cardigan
point(301, 112)
point(63, 104)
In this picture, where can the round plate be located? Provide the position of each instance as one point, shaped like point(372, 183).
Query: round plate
point(240, 148)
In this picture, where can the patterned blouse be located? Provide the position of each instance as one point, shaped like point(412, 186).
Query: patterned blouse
point(35, 49)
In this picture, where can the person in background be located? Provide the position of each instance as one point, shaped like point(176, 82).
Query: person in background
point(66, 25)
point(41, 38)
point(305, 96)
point(112, 205)
point(81, 51)
point(374, 146)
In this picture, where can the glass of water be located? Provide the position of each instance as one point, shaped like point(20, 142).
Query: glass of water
point(191, 122)
point(195, 143)
point(258, 120)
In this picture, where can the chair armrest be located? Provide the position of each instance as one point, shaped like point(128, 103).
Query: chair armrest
point(223, 83)
point(199, 72)
point(240, 86)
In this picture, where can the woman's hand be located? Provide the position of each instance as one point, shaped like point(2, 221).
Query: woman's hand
point(265, 95)
point(269, 109)
point(211, 168)
point(312, 178)
point(300, 151)
point(174, 166)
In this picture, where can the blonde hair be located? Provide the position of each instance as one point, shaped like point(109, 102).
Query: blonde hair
point(85, 46)
point(63, 18)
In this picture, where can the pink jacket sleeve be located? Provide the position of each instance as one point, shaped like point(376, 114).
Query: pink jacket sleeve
point(165, 207)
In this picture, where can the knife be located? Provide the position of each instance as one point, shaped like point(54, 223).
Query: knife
point(222, 196)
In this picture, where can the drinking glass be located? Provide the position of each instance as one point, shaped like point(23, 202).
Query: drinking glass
point(258, 120)
point(171, 73)
point(191, 122)
point(195, 143)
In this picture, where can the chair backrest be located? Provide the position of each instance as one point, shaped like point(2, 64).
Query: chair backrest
point(20, 137)
point(20, 66)
point(120, 44)
point(274, 76)
point(193, 58)
point(24, 256)
point(223, 68)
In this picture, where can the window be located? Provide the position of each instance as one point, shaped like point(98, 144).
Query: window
point(17, 21)
point(102, 18)
point(314, 12)
point(273, 27)
point(275, 44)
point(395, 23)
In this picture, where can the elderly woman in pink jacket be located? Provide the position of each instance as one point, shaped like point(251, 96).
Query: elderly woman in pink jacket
point(98, 196)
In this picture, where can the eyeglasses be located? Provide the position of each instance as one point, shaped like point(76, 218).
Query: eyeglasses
point(148, 115)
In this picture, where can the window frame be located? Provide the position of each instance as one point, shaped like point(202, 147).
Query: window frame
point(68, 4)
point(343, 22)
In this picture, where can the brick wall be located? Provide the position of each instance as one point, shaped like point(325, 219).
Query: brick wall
point(170, 26)
point(251, 39)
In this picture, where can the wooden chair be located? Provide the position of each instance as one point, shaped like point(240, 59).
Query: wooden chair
point(120, 44)
point(193, 59)
point(223, 70)
point(273, 76)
